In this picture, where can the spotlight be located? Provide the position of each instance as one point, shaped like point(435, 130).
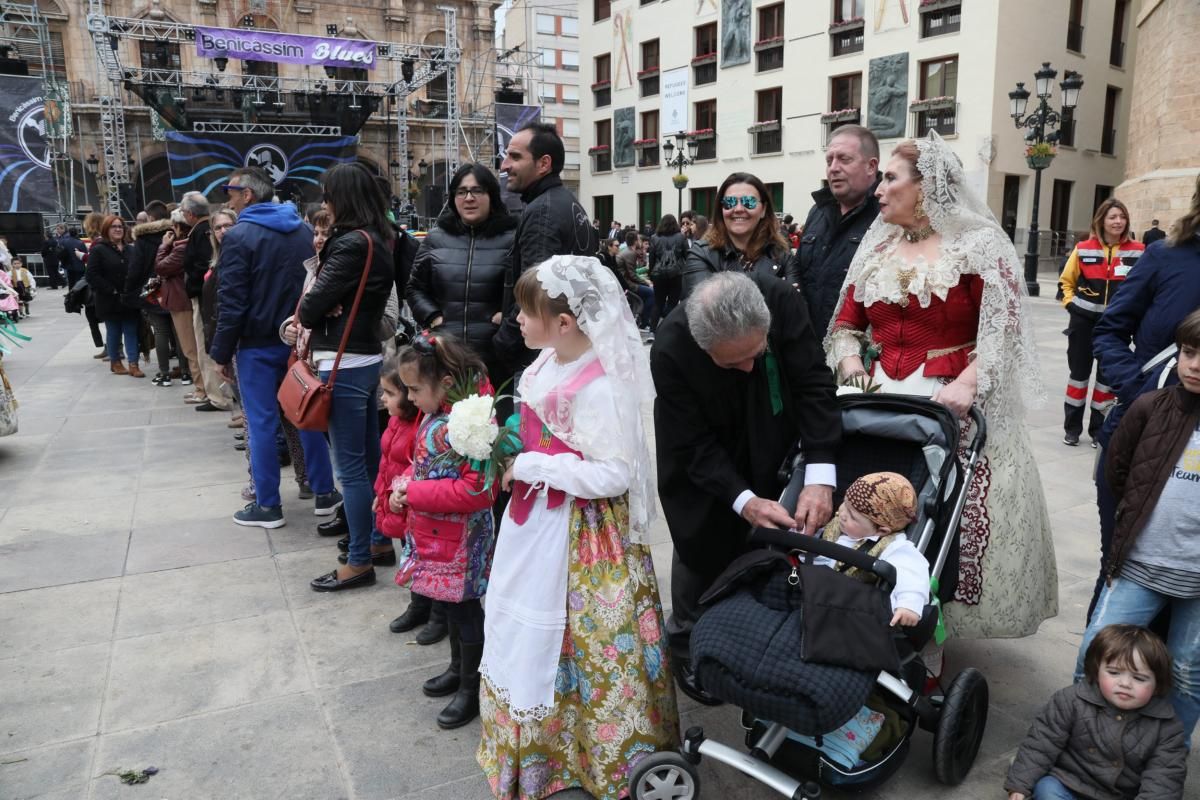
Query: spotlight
point(222, 62)
point(331, 72)
point(248, 21)
point(190, 34)
point(331, 30)
point(407, 68)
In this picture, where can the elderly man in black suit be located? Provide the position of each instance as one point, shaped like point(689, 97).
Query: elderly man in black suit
point(740, 377)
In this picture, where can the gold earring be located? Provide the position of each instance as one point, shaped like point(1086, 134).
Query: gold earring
point(919, 209)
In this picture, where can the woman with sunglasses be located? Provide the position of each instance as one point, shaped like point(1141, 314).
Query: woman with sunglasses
point(744, 235)
point(361, 240)
point(457, 284)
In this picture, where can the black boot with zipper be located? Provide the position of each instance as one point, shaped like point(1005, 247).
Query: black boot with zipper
point(465, 705)
point(447, 683)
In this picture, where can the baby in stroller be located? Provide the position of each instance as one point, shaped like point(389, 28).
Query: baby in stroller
point(876, 510)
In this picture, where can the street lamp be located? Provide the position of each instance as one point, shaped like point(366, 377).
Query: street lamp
point(93, 163)
point(680, 161)
point(1043, 123)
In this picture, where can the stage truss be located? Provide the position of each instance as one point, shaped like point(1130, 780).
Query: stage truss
point(427, 62)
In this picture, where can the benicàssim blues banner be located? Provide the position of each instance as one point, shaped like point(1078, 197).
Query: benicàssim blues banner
point(201, 162)
point(292, 48)
point(26, 182)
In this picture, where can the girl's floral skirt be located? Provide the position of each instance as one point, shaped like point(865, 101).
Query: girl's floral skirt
point(614, 698)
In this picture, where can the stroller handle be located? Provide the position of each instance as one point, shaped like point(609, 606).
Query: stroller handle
point(980, 437)
point(812, 544)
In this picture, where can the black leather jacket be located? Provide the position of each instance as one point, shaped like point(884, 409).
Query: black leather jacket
point(146, 239)
point(703, 261)
point(342, 262)
point(826, 249)
point(458, 275)
point(197, 258)
point(664, 247)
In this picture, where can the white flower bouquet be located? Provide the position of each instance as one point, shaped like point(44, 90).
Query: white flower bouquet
point(475, 437)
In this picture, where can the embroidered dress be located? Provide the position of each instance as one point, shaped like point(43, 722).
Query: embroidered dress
point(927, 319)
point(576, 686)
point(447, 545)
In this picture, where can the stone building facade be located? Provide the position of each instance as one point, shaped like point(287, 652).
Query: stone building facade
point(398, 21)
point(1161, 163)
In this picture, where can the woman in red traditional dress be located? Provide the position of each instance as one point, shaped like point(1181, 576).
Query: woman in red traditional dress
point(935, 291)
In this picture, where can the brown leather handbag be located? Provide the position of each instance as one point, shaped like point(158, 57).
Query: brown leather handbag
point(305, 399)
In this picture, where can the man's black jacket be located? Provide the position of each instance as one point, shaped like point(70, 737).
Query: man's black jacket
point(552, 224)
point(716, 435)
point(197, 258)
point(826, 249)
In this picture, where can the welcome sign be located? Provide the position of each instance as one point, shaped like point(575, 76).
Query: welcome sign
point(288, 48)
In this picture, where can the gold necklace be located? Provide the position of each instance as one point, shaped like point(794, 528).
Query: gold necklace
point(919, 235)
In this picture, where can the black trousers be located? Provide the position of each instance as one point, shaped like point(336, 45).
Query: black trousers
point(89, 311)
point(467, 617)
point(666, 297)
point(164, 336)
point(1080, 360)
point(687, 586)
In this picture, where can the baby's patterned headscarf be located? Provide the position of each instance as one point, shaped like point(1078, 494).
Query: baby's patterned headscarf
point(885, 498)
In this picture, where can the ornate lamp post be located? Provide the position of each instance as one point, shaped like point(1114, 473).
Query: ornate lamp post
point(1043, 123)
point(680, 161)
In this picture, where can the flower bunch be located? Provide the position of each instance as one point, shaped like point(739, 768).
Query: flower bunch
point(1041, 149)
point(475, 437)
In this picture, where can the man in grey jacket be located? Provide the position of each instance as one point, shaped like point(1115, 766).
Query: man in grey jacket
point(552, 224)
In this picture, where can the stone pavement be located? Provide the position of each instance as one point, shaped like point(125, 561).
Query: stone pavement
point(139, 626)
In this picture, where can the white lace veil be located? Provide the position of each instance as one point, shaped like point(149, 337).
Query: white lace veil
point(971, 237)
point(599, 304)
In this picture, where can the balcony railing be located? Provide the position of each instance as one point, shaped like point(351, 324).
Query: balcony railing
point(845, 42)
point(942, 21)
point(768, 141)
point(648, 80)
point(1116, 53)
point(648, 157)
point(769, 54)
point(602, 162)
point(706, 149)
point(1075, 37)
point(602, 95)
point(942, 120)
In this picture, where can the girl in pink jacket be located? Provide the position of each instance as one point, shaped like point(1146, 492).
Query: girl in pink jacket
point(449, 534)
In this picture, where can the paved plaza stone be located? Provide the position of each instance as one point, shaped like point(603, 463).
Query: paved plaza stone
point(140, 627)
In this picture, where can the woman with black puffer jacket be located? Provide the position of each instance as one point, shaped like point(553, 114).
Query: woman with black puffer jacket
point(359, 248)
point(458, 276)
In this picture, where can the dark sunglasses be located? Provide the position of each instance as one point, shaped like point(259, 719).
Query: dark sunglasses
point(749, 202)
point(230, 187)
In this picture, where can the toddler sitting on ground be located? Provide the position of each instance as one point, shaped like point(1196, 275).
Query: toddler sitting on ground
point(877, 509)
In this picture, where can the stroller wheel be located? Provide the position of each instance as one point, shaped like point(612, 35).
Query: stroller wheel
point(960, 727)
point(664, 776)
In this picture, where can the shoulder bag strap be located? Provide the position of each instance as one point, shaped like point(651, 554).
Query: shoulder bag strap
point(362, 283)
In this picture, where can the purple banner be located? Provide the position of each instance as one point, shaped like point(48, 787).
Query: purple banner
point(288, 48)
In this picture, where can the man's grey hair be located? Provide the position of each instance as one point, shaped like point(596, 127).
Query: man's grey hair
point(727, 306)
point(195, 204)
point(257, 181)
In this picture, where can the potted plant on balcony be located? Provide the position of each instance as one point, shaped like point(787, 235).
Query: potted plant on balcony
point(701, 134)
point(680, 181)
point(932, 103)
point(847, 25)
point(1040, 154)
point(928, 6)
point(598, 149)
point(649, 72)
point(645, 144)
point(601, 85)
point(704, 58)
point(764, 126)
point(841, 115)
point(767, 44)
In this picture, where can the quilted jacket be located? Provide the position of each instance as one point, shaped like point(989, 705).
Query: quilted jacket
point(1101, 752)
point(1140, 456)
point(396, 449)
point(168, 265)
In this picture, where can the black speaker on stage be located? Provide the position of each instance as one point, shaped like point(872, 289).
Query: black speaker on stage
point(23, 230)
point(13, 66)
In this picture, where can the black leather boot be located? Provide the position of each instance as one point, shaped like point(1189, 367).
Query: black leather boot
point(447, 683)
point(336, 526)
point(435, 630)
point(465, 705)
point(416, 614)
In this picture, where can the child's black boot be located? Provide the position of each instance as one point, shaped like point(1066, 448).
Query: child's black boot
point(447, 682)
point(465, 705)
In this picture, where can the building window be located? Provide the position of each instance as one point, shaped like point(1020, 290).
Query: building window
point(1075, 26)
point(937, 110)
point(647, 145)
point(649, 209)
point(1060, 207)
point(941, 18)
point(706, 130)
point(704, 201)
point(570, 128)
point(153, 55)
point(769, 47)
point(775, 191)
point(56, 59)
point(1108, 134)
point(570, 94)
point(602, 209)
point(570, 26)
point(845, 103)
point(846, 10)
point(1116, 50)
point(602, 88)
point(847, 40)
point(1102, 193)
point(601, 151)
point(570, 60)
point(648, 74)
point(601, 9)
point(1066, 128)
point(547, 93)
point(545, 24)
point(704, 61)
point(768, 128)
point(547, 57)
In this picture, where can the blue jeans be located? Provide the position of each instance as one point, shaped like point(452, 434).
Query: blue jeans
point(1127, 602)
point(354, 442)
point(649, 311)
point(114, 330)
point(260, 372)
point(1050, 788)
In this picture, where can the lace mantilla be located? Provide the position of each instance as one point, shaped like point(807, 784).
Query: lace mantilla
point(599, 305)
point(889, 279)
point(973, 243)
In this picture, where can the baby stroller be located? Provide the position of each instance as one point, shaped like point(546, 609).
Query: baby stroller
point(762, 672)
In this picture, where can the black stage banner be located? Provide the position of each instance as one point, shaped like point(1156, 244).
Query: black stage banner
point(201, 162)
point(511, 118)
point(26, 182)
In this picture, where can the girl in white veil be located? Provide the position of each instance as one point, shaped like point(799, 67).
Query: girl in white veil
point(576, 686)
point(935, 297)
